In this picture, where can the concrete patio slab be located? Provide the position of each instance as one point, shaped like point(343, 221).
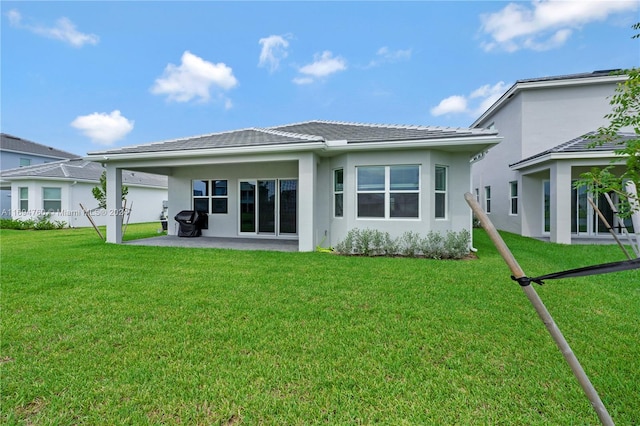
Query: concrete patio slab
point(268, 244)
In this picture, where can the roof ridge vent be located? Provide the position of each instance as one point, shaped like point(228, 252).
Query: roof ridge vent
point(289, 134)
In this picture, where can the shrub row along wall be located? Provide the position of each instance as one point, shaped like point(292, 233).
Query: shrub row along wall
point(42, 223)
point(371, 242)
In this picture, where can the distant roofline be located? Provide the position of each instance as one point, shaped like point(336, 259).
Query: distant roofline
point(70, 168)
point(559, 80)
point(50, 152)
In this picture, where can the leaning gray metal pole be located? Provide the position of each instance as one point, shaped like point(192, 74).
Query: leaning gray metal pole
point(544, 315)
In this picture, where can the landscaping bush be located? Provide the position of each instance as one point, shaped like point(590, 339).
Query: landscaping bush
point(371, 242)
point(43, 222)
point(16, 224)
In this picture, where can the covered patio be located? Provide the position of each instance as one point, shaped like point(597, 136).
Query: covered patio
point(268, 244)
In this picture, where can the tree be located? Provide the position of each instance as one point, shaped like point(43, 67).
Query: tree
point(625, 114)
point(100, 192)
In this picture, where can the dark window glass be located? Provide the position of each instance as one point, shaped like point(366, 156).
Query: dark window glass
point(338, 205)
point(403, 205)
point(370, 205)
point(218, 205)
point(219, 188)
point(201, 204)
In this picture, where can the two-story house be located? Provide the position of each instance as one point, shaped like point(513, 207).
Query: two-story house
point(525, 184)
point(17, 152)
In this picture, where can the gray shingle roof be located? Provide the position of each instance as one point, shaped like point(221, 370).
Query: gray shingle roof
point(79, 169)
point(301, 133)
point(16, 144)
point(360, 132)
point(582, 144)
point(599, 73)
point(237, 138)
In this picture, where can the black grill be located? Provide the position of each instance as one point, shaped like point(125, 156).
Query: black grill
point(191, 223)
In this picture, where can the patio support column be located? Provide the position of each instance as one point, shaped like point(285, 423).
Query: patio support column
point(114, 204)
point(560, 184)
point(306, 201)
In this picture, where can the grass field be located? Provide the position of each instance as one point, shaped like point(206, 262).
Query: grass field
point(102, 334)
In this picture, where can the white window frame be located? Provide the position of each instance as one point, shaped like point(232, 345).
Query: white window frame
point(388, 191)
point(210, 196)
point(49, 200)
point(21, 199)
point(513, 184)
point(338, 192)
point(441, 191)
point(487, 199)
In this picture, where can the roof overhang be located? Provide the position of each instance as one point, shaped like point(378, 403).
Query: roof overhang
point(539, 84)
point(565, 156)
point(471, 144)
point(108, 157)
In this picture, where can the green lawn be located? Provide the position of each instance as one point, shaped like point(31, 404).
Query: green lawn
point(103, 334)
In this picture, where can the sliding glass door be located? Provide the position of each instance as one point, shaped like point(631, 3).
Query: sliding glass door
point(268, 206)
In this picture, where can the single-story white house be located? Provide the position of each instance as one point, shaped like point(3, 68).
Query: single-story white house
point(58, 188)
point(311, 181)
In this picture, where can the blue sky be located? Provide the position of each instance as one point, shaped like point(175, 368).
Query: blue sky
point(82, 76)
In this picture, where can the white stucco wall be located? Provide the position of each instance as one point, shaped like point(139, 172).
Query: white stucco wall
point(225, 224)
point(533, 121)
point(316, 221)
point(145, 202)
point(458, 212)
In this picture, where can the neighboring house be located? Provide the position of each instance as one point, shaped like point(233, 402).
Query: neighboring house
point(312, 181)
point(59, 187)
point(526, 183)
point(17, 152)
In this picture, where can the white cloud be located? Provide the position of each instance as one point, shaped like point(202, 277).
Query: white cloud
point(274, 49)
point(103, 128)
point(323, 65)
point(452, 105)
point(64, 30)
point(193, 78)
point(15, 18)
point(474, 104)
point(545, 24)
point(303, 80)
point(385, 55)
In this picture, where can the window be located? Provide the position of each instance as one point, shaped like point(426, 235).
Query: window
point(338, 191)
point(388, 191)
point(487, 199)
point(546, 195)
point(513, 197)
point(52, 199)
point(441, 192)
point(210, 196)
point(25, 162)
point(477, 194)
point(23, 199)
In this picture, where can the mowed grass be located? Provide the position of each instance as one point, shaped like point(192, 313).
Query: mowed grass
point(102, 334)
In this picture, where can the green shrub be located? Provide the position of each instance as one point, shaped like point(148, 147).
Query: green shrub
point(432, 245)
point(371, 242)
point(16, 224)
point(346, 246)
point(456, 245)
point(409, 244)
point(43, 222)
